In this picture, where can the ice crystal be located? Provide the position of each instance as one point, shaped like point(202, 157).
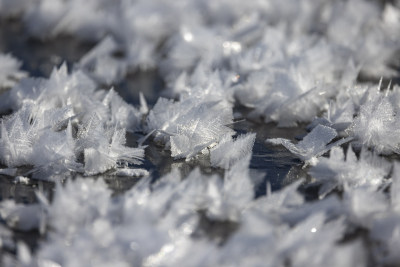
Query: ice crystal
point(187, 127)
point(29, 132)
point(10, 71)
point(229, 151)
point(276, 62)
point(102, 65)
point(48, 110)
point(376, 124)
point(21, 217)
point(369, 170)
point(313, 145)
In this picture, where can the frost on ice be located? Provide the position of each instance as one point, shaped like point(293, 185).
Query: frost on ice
point(284, 63)
point(377, 124)
point(313, 145)
point(59, 119)
point(369, 170)
point(188, 127)
point(229, 151)
point(10, 72)
point(100, 63)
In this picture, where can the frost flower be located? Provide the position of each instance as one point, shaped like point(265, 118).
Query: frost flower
point(188, 127)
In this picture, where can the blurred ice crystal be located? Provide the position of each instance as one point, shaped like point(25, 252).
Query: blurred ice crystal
point(21, 217)
point(369, 170)
point(102, 65)
point(10, 71)
point(229, 151)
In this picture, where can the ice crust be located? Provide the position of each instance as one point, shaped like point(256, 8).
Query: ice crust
point(287, 62)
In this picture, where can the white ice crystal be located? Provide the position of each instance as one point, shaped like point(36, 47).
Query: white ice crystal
point(205, 84)
point(279, 92)
point(313, 145)
point(83, 214)
point(91, 226)
point(385, 227)
point(21, 217)
point(49, 18)
point(348, 28)
point(377, 124)
point(48, 112)
point(361, 213)
point(104, 148)
point(121, 113)
point(229, 151)
point(238, 184)
point(194, 45)
point(287, 62)
point(187, 127)
point(61, 89)
point(340, 113)
point(21, 180)
point(369, 170)
point(27, 133)
point(102, 65)
point(10, 71)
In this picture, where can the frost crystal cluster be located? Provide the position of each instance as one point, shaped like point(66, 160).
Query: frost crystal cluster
point(330, 67)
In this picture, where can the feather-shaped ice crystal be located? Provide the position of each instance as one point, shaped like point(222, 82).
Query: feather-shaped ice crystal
point(377, 124)
point(101, 65)
point(104, 148)
point(189, 126)
point(30, 132)
point(369, 170)
point(10, 71)
point(229, 151)
point(313, 145)
point(49, 110)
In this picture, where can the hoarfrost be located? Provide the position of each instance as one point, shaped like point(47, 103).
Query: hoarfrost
point(48, 111)
point(21, 217)
point(377, 125)
point(229, 151)
point(10, 71)
point(187, 127)
point(102, 65)
point(369, 170)
point(313, 145)
point(287, 62)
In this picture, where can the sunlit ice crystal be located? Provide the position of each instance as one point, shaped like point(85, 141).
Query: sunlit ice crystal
point(187, 127)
